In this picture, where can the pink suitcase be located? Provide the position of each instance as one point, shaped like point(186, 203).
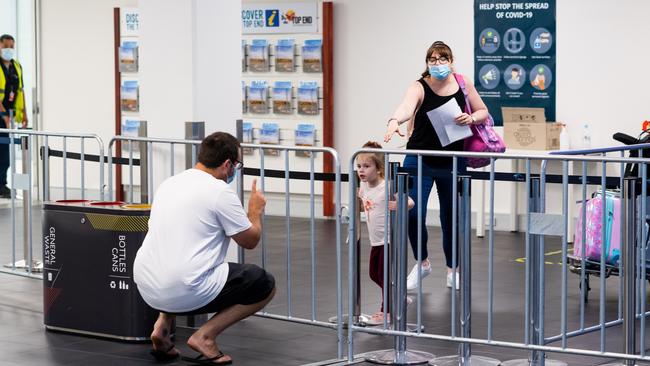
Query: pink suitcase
point(594, 234)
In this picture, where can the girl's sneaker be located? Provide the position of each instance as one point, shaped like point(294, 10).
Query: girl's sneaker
point(378, 318)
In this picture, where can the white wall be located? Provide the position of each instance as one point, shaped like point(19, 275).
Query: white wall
point(184, 72)
point(379, 51)
point(380, 48)
point(77, 73)
point(77, 65)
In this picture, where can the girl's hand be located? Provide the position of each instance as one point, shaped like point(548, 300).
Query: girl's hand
point(392, 205)
point(464, 119)
point(393, 127)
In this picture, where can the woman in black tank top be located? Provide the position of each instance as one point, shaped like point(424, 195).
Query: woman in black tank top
point(436, 87)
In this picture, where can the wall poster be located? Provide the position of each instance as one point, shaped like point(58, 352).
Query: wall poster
point(514, 50)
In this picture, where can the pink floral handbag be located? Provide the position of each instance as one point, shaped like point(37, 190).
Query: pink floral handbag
point(484, 138)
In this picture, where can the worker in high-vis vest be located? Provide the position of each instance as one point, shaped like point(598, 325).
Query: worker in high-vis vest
point(12, 102)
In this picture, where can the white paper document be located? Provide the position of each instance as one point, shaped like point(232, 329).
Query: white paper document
point(442, 119)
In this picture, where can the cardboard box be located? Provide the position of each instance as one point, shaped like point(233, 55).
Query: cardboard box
point(527, 129)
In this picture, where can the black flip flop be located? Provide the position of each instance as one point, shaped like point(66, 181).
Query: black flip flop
point(202, 360)
point(164, 356)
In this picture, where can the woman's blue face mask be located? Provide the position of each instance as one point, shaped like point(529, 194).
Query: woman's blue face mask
point(440, 72)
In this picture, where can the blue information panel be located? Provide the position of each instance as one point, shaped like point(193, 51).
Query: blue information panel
point(514, 50)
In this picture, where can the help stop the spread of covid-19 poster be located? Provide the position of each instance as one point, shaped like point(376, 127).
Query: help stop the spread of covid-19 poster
point(514, 50)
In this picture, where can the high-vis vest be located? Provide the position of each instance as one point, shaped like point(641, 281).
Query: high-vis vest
point(20, 97)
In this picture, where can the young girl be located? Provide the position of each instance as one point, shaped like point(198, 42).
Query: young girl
point(372, 193)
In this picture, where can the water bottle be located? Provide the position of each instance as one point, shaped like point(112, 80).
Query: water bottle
point(586, 137)
point(565, 143)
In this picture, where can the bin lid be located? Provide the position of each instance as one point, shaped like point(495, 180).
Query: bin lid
point(106, 203)
point(137, 206)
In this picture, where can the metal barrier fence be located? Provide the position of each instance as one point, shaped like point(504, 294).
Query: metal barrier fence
point(312, 177)
point(145, 162)
point(31, 142)
point(540, 225)
point(146, 155)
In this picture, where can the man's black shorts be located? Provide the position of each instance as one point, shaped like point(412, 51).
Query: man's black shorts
point(247, 284)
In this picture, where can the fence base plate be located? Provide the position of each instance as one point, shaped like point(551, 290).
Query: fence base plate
point(457, 360)
point(389, 357)
point(37, 266)
point(527, 362)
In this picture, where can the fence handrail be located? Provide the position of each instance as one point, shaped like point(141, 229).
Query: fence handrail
point(153, 140)
point(64, 135)
point(601, 150)
point(506, 156)
point(52, 134)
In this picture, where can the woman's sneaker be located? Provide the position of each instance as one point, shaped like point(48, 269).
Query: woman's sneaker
point(450, 280)
point(412, 279)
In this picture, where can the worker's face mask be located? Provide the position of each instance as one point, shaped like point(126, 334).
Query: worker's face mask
point(440, 72)
point(232, 177)
point(7, 54)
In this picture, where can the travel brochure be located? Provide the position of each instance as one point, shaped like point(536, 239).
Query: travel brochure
point(312, 56)
point(305, 136)
point(281, 95)
point(284, 55)
point(247, 137)
point(243, 97)
point(308, 98)
point(258, 56)
point(258, 97)
point(130, 128)
point(270, 134)
point(243, 55)
point(130, 96)
point(129, 56)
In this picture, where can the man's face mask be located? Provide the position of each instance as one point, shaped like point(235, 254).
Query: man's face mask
point(7, 54)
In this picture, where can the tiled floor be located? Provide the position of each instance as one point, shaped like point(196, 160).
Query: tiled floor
point(261, 341)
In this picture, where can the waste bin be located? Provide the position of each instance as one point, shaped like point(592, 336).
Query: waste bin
point(88, 254)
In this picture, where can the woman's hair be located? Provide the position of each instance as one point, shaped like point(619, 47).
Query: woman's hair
point(376, 158)
point(441, 49)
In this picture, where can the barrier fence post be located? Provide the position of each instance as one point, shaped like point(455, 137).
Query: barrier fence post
point(358, 318)
point(535, 260)
point(144, 164)
point(196, 131)
point(399, 355)
point(394, 238)
point(629, 196)
point(465, 356)
point(629, 261)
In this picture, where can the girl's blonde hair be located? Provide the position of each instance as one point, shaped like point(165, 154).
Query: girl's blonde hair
point(376, 158)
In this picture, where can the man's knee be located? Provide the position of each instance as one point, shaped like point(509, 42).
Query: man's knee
point(263, 281)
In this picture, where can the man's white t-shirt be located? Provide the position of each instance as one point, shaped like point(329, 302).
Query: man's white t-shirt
point(181, 264)
point(374, 204)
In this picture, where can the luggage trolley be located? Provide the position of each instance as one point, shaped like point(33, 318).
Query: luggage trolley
point(592, 267)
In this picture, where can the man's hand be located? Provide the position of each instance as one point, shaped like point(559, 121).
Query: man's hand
point(256, 201)
point(25, 120)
